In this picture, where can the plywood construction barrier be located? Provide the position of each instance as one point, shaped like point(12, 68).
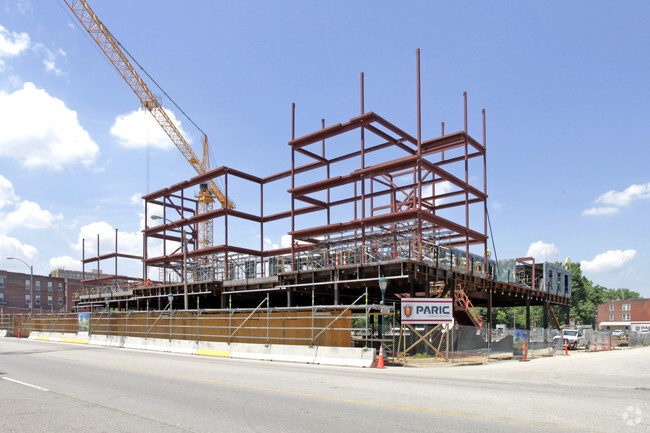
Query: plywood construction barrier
point(303, 328)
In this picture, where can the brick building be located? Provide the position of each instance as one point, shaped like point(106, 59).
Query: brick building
point(622, 313)
point(51, 293)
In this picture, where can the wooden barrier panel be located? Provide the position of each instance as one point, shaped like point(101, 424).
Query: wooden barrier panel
point(283, 327)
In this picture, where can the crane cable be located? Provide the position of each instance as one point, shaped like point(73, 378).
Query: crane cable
point(496, 259)
point(154, 81)
point(85, 33)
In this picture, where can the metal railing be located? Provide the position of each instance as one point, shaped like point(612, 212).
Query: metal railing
point(316, 325)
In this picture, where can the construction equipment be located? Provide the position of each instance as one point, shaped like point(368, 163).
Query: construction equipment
point(111, 48)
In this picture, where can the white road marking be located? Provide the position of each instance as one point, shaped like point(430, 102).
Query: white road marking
point(26, 384)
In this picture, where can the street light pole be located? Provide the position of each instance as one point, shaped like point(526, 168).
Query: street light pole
point(31, 283)
point(185, 298)
point(383, 283)
point(184, 267)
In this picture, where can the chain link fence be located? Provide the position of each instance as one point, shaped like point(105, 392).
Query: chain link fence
point(469, 344)
point(638, 339)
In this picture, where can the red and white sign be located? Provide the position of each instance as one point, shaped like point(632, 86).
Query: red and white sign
point(427, 311)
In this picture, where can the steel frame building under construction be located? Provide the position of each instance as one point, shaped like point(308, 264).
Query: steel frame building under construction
point(367, 201)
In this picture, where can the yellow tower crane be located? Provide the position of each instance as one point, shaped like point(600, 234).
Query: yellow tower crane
point(111, 48)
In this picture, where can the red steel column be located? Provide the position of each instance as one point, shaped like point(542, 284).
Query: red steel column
point(419, 163)
point(293, 184)
point(485, 213)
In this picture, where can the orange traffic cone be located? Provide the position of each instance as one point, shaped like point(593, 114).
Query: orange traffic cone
point(18, 332)
point(380, 363)
point(595, 345)
point(524, 351)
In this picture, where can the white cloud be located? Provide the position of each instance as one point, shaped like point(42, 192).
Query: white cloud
point(270, 245)
point(11, 44)
point(65, 262)
point(40, 131)
point(25, 213)
point(29, 214)
point(441, 188)
point(602, 210)
point(152, 209)
point(50, 58)
point(285, 241)
point(128, 242)
point(495, 205)
point(7, 194)
point(50, 63)
point(24, 6)
point(542, 251)
point(136, 199)
point(12, 247)
point(608, 261)
point(617, 199)
point(625, 197)
point(138, 129)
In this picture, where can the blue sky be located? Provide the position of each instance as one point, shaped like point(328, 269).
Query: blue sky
point(564, 85)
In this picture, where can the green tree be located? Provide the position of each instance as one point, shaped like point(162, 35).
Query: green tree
point(516, 316)
point(614, 294)
point(585, 297)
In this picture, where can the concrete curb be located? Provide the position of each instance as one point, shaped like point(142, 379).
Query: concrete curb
point(340, 356)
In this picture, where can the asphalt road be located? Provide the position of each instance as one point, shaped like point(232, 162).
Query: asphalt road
point(47, 387)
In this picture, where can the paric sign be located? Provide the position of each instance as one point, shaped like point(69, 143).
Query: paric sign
point(427, 310)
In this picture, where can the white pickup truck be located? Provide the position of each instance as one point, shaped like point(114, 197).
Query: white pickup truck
point(574, 337)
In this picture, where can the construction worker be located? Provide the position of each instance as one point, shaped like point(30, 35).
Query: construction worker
point(488, 253)
point(567, 262)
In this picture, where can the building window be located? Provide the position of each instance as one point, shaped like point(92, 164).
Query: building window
point(60, 300)
point(611, 317)
point(28, 284)
point(37, 300)
point(2, 282)
point(626, 317)
point(38, 285)
point(2, 297)
point(49, 286)
point(28, 299)
point(626, 307)
point(49, 300)
point(611, 307)
point(60, 287)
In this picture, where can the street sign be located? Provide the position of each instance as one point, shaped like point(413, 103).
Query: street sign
point(427, 310)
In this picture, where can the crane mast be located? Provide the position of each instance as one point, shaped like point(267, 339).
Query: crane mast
point(111, 49)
